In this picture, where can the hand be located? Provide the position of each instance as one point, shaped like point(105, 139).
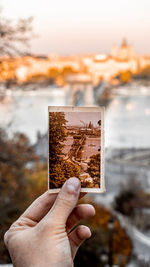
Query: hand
point(41, 237)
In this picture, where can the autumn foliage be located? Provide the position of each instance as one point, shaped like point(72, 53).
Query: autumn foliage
point(90, 251)
point(22, 179)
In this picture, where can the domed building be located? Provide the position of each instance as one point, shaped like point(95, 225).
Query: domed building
point(125, 52)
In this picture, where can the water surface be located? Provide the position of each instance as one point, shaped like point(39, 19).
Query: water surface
point(127, 121)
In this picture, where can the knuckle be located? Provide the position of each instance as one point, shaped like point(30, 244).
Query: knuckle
point(48, 225)
point(63, 201)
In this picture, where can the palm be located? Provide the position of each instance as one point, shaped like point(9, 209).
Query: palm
point(43, 235)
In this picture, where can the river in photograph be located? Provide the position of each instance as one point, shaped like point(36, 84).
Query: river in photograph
point(127, 122)
point(67, 144)
point(90, 148)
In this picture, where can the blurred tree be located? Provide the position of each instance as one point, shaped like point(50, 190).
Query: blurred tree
point(143, 74)
point(7, 71)
point(89, 253)
point(16, 158)
point(14, 40)
point(94, 168)
point(36, 179)
point(129, 200)
point(67, 71)
point(39, 78)
point(125, 202)
point(58, 76)
point(125, 76)
point(14, 36)
point(53, 73)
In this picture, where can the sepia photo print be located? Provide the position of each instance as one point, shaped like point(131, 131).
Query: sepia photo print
point(76, 147)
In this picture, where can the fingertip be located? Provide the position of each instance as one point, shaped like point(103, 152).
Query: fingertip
point(91, 209)
point(83, 232)
point(72, 185)
point(85, 210)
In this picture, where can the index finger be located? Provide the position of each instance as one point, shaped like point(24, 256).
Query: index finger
point(40, 207)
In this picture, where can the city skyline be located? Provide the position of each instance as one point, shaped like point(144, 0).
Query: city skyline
point(83, 27)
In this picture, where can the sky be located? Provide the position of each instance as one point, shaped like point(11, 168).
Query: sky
point(79, 118)
point(84, 26)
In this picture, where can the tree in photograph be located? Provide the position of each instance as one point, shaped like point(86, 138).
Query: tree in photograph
point(57, 177)
point(86, 184)
point(61, 172)
point(99, 122)
point(70, 169)
point(94, 168)
point(57, 135)
point(90, 125)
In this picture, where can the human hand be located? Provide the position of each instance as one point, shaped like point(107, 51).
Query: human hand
point(41, 237)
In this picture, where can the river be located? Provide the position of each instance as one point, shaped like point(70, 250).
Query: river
point(127, 122)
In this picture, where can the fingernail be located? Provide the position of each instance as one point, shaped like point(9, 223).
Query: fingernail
point(73, 185)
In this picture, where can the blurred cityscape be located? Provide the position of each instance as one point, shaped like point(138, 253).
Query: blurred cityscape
point(53, 69)
point(120, 81)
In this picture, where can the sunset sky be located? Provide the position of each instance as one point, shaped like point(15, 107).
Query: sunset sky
point(84, 26)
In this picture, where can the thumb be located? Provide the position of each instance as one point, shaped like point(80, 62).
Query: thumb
point(66, 200)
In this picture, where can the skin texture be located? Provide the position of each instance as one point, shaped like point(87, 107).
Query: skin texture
point(43, 235)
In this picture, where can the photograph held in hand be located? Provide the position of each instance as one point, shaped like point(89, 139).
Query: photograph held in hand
point(76, 147)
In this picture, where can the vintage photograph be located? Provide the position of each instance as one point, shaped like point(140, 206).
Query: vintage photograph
point(76, 147)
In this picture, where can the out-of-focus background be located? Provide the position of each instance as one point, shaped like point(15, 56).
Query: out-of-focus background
point(81, 53)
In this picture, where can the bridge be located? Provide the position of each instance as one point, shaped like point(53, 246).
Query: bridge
point(82, 91)
point(77, 145)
